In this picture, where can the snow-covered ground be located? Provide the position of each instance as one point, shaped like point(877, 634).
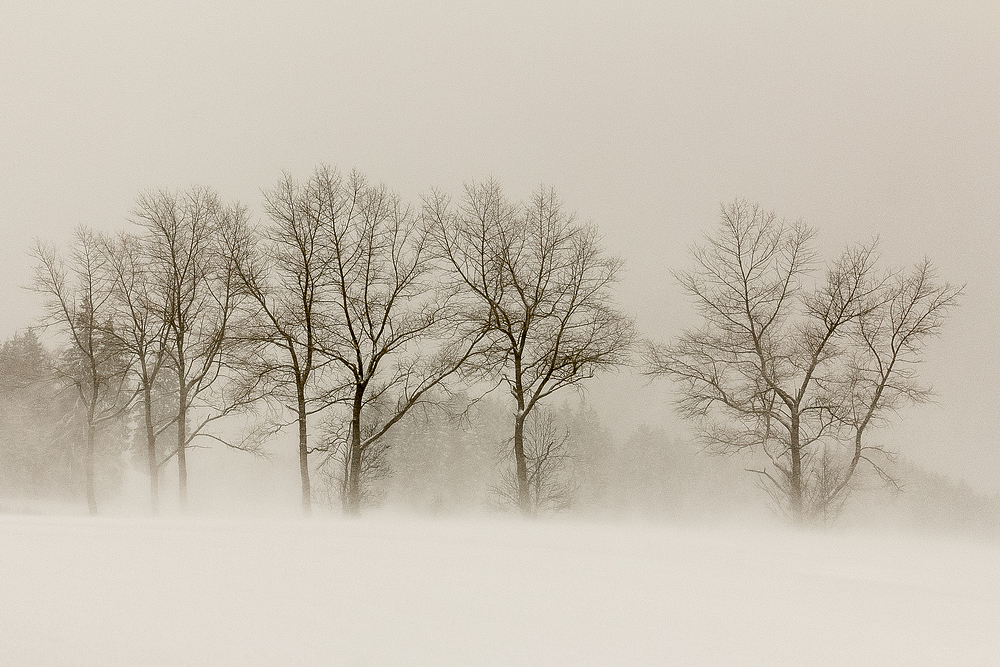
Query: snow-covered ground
point(394, 591)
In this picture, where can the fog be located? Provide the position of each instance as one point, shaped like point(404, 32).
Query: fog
point(861, 121)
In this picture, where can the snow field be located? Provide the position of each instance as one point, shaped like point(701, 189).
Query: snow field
point(402, 591)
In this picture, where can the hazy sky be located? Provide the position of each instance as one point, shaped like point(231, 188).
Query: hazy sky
point(861, 121)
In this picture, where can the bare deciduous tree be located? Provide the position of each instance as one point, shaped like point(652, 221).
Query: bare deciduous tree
point(141, 330)
point(78, 297)
point(795, 374)
point(287, 269)
point(552, 483)
point(196, 291)
point(880, 377)
point(391, 336)
point(540, 284)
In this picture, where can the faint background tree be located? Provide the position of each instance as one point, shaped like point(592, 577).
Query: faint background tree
point(443, 454)
point(553, 484)
point(335, 468)
point(39, 427)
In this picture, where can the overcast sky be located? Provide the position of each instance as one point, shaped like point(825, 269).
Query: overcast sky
point(645, 116)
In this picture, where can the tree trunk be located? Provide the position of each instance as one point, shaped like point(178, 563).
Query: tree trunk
point(304, 450)
point(354, 470)
point(520, 463)
point(182, 447)
point(795, 483)
point(88, 464)
point(154, 467)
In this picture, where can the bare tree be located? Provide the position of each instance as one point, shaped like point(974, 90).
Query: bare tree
point(78, 296)
point(540, 284)
point(795, 374)
point(880, 379)
point(196, 292)
point(336, 466)
point(287, 268)
point(140, 328)
point(552, 484)
point(391, 335)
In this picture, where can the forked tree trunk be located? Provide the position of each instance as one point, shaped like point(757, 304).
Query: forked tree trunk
point(795, 483)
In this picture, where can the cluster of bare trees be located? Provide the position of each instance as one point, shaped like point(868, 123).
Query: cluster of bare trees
point(145, 319)
point(343, 301)
point(344, 308)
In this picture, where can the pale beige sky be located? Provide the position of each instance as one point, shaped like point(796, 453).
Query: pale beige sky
point(860, 120)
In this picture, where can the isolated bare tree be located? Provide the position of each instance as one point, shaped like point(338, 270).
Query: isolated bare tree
point(540, 284)
point(391, 335)
point(794, 373)
point(287, 268)
point(78, 299)
point(552, 484)
point(196, 289)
